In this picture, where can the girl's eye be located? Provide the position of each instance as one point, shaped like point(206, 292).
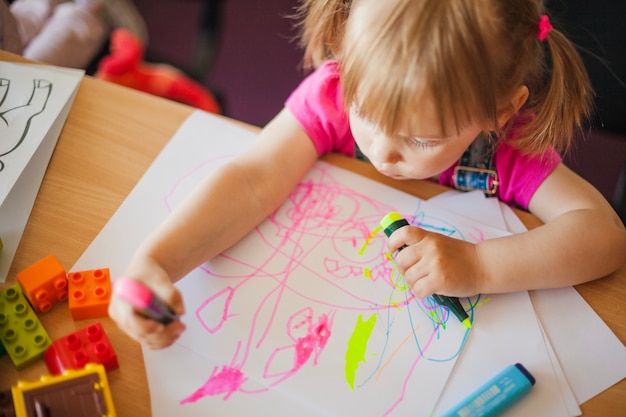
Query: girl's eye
point(422, 144)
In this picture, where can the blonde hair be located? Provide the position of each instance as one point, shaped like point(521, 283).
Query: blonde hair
point(469, 56)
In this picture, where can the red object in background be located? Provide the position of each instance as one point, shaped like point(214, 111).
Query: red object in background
point(125, 66)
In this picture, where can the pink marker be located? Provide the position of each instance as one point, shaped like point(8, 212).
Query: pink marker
point(143, 300)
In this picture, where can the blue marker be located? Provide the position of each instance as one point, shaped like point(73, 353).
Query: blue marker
point(498, 394)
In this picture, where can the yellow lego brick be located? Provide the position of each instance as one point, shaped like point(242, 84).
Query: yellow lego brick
point(75, 393)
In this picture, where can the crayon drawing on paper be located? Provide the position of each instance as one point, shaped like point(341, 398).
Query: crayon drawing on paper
point(312, 290)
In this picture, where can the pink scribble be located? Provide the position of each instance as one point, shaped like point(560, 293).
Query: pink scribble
point(315, 341)
point(478, 236)
point(276, 339)
point(228, 292)
point(227, 381)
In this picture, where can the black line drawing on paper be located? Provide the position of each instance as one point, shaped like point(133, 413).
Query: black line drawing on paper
point(15, 122)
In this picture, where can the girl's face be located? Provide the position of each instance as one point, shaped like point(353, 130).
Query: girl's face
point(419, 151)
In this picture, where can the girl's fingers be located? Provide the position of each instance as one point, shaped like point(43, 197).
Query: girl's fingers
point(143, 330)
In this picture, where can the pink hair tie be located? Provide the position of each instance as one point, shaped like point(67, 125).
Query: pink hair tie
point(544, 28)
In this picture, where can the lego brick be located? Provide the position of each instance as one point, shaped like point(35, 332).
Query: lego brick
point(21, 333)
point(44, 283)
point(76, 393)
point(75, 350)
point(89, 293)
point(6, 404)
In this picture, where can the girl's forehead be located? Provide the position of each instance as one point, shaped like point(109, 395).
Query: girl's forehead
point(420, 119)
point(405, 65)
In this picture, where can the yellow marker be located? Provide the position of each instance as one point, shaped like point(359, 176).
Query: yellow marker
point(369, 239)
point(392, 222)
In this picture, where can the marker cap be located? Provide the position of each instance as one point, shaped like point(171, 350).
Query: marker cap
point(392, 222)
point(143, 300)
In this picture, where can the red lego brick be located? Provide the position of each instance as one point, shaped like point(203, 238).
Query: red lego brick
point(75, 350)
point(22, 335)
point(44, 283)
point(89, 293)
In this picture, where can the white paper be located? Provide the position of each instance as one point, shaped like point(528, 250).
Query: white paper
point(34, 103)
point(255, 313)
point(581, 375)
point(593, 359)
point(317, 259)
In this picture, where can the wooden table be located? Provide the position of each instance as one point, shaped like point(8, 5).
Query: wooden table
point(110, 138)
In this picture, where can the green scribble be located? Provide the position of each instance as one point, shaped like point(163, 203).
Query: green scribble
point(436, 319)
point(357, 345)
point(369, 239)
point(367, 273)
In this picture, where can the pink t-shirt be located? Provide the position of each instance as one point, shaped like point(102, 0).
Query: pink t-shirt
point(317, 104)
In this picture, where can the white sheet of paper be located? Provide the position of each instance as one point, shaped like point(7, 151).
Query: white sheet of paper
point(24, 167)
point(567, 394)
point(580, 378)
point(31, 98)
point(253, 337)
point(470, 371)
point(335, 221)
point(473, 205)
point(593, 359)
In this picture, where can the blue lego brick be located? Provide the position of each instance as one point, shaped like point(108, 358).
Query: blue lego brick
point(21, 332)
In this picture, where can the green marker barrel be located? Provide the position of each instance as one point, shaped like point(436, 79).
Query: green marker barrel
point(392, 222)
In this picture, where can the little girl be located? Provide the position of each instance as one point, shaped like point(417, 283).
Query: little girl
point(472, 93)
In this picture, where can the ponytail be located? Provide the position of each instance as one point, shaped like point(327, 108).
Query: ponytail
point(564, 102)
point(321, 27)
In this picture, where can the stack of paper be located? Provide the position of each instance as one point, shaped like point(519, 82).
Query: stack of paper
point(307, 316)
point(34, 103)
point(585, 355)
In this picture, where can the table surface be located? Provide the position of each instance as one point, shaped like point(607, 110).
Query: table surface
point(110, 138)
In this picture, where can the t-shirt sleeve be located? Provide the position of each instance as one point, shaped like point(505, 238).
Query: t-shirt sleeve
point(520, 175)
point(317, 105)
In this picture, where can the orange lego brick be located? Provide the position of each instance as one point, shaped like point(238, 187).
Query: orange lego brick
point(44, 283)
point(89, 293)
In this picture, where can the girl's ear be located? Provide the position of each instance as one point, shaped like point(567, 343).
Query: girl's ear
point(516, 102)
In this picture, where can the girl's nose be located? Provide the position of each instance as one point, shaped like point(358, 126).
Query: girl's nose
point(384, 151)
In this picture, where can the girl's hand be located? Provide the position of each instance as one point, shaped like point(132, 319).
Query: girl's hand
point(436, 264)
point(144, 330)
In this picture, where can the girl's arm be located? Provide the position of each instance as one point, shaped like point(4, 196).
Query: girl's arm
point(582, 239)
point(234, 199)
point(222, 209)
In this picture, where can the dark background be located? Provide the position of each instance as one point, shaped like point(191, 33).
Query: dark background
point(256, 63)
